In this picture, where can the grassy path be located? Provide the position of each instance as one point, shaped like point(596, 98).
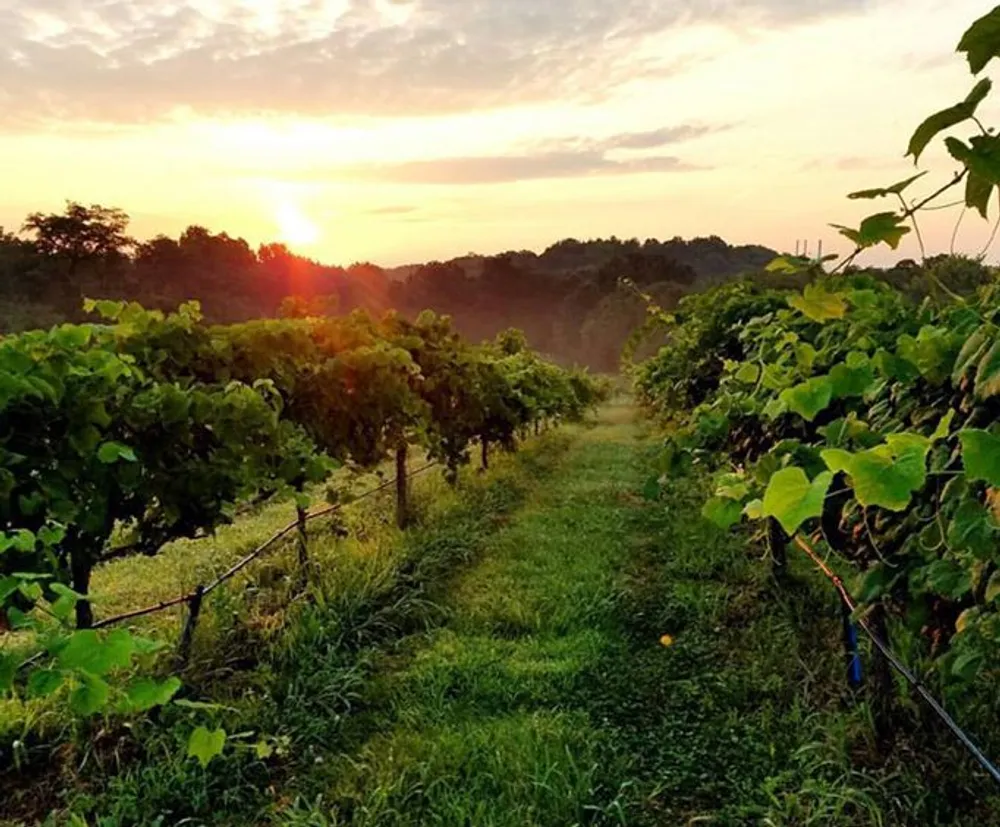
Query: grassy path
point(549, 649)
point(474, 722)
point(550, 695)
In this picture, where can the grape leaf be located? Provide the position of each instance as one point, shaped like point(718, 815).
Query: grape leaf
point(981, 42)
point(948, 578)
point(971, 353)
point(51, 534)
point(973, 529)
point(981, 455)
point(880, 192)
point(90, 696)
point(886, 475)
point(819, 304)
point(895, 367)
point(792, 499)
point(852, 377)
point(206, 745)
point(966, 665)
point(988, 373)
point(722, 511)
point(19, 539)
point(43, 682)
point(146, 693)
point(748, 373)
point(978, 190)
point(86, 651)
point(111, 452)
point(981, 156)
point(883, 227)
point(874, 583)
point(788, 264)
point(993, 587)
point(943, 428)
point(947, 118)
point(809, 398)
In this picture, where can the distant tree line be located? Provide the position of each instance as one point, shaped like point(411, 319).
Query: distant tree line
point(567, 299)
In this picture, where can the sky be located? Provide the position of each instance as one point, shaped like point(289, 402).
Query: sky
point(398, 131)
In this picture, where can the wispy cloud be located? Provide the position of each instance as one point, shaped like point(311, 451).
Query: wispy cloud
point(559, 158)
point(392, 210)
point(130, 61)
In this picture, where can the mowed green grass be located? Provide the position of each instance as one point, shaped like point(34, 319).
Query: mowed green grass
point(275, 661)
point(474, 722)
point(548, 697)
point(545, 648)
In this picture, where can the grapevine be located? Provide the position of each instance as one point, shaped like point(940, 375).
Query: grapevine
point(849, 409)
point(143, 427)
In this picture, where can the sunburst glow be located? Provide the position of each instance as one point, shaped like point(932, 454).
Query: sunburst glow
point(295, 227)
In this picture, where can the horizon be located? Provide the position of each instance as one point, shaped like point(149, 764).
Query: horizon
point(484, 126)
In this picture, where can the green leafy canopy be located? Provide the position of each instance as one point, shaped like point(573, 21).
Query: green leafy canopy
point(792, 499)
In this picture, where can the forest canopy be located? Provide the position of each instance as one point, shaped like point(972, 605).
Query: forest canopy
point(567, 299)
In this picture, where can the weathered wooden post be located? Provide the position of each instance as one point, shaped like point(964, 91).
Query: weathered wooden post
point(777, 540)
point(187, 635)
point(402, 488)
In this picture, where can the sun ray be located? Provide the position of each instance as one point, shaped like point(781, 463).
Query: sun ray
point(295, 228)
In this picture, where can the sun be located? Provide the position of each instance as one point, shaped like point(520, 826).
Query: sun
point(295, 227)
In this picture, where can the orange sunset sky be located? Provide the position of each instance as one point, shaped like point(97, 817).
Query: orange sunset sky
point(403, 130)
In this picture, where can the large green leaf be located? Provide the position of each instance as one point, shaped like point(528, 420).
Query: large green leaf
point(881, 192)
point(972, 528)
point(853, 377)
point(792, 499)
point(981, 455)
point(722, 511)
point(967, 665)
point(892, 366)
point(932, 350)
point(947, 118)
point(981, 42)
point(948, 578)
point(90, 696)
point(819, 304)
point(972, 352)
point(748, 373)
point(988, 373)
point(205, 744)
point(788, 264)
point(810, 397)
point(87, 651)
point(145, 693)
point(111, 452)
point(44, 682)
point(993, 587)
point(978, 190)
point(887, 475)
point(880, 228)
point(981, 156)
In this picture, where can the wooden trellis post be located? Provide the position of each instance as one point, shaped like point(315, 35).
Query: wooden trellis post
point(777, 540)
point(187, 635)
point(402, 489)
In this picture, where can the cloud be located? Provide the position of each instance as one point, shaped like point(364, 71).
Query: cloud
point(130, 61)
point(392, 210)
point(548, 160)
